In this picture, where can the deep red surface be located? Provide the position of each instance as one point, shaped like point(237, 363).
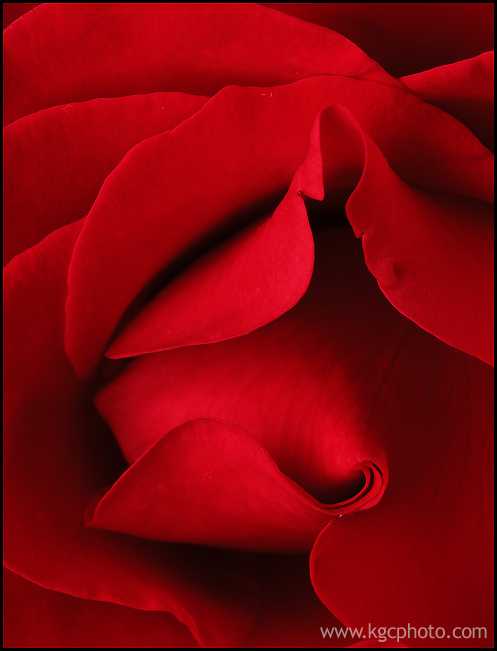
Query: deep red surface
point(406, 37)
point(204, 367)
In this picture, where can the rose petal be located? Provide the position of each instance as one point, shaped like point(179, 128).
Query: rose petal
point(172, 183)
point(71, 52)
point(422, 556)
point(405, 37)
point(55, 161)
point(39, 618)
point(58, 454)
point(431, 252)
point(208, 482)
point(464, 89)
point(221, 304)
point(301, 386)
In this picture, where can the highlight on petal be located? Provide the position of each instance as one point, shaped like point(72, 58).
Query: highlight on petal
point(301, 386)
point(209, 482)
point(164, 198)
point(423, 555)
point(39, 618)
point(405, 37)
point(71, 52)
point(58, 454)
point(464, 89)
point(56, 160)
point(254, 278)
point(173, 193)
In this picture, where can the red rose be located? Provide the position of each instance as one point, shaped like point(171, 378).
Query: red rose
point(248, 333)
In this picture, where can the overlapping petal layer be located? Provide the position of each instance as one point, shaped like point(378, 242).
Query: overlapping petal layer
point(302, 386)
point(405, 37)
point(172, 183)
point(39, 618)
point(464, 89)
point(58, 454)
point(290, 617)
point(254, 278)
point(77, 146)
point(448, 438)
point(423, 555)
point(72, 52)
point(209, 482)
point(430, 251)
point(326, 393)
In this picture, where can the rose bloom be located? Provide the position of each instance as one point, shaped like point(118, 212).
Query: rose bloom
point(248, 325)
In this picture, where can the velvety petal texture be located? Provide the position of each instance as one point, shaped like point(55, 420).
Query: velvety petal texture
point(178, 173)
point(301, 385)
point(464, 89)
point(37, 618)
point(132, 48)
point(434, 264)
point(233, 290)
point(209, 482)
point(405, 37)
point(77, 146)
point(249, 324)
point(430, 540)
point(58, 454)
point(290, 615)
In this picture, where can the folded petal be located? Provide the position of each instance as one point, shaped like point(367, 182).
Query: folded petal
point(175, 194)
point(58, 453)
point(63, 52)
point(55, 161)
point(431, 252)
point(302, 386)
point(233, 290)
point(38, 618)
point(209, 482)
point(464, 89)
point(423, 556)
point(405, 37)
